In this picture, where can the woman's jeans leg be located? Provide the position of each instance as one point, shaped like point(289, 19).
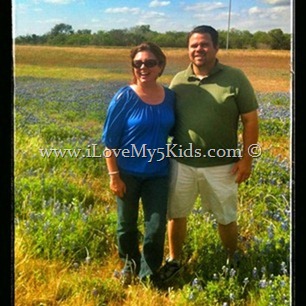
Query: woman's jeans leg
point(127, 230)
point(153, 193)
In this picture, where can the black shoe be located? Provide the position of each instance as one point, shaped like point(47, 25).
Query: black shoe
point(169, 270)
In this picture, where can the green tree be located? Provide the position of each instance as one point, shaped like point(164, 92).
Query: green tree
point(61, 28)
point(57, 40)
point(287, 41)
point(79, 39)
point(261, 40)
point(118, 37)
point(85, 31)
point(63, 34)
point(222, 39)
point(276, 39)
point(177, 39)
point(239, 39)
point(101, 38)
point(138, 34)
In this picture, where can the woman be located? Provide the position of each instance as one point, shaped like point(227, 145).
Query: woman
point(138, 122)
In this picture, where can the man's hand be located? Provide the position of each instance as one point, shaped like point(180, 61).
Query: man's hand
point(242, 169)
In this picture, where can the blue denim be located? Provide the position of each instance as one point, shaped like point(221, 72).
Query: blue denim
point(153, 193)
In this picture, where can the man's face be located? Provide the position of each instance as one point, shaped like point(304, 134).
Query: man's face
point(201, 50)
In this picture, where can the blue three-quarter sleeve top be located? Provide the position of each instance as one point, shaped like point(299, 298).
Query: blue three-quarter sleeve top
point(137, 132)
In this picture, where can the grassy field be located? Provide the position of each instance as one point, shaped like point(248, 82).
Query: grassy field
point(269, 71)
point(65, 216)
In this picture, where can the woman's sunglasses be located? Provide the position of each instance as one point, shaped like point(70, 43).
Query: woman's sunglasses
point(148, 63)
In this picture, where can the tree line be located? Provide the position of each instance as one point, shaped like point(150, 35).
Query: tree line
point(64, 35)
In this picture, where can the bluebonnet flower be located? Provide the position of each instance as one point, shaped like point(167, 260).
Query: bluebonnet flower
point(263, 283)
point(285, 225)
point(232, 272)
point(197, 284)
point(284, 268)
point(191, 296)
point(225, 270)
point(254, 272)
point(270, 230)
point(282, 283)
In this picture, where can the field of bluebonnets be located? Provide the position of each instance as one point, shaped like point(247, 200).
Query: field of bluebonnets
point(65, 216)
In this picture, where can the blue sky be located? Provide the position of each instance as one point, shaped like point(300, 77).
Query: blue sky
point(40, 16)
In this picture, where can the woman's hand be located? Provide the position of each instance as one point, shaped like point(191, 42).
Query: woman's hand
point(117, 186)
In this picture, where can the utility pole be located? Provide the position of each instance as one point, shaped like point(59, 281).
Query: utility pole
point(228, 23)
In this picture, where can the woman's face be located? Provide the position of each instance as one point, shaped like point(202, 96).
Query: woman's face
point(146, 67)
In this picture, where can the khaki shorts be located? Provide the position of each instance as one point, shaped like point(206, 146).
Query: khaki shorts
point(216, 187)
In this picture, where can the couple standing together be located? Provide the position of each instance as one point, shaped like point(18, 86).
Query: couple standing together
point(200, 110)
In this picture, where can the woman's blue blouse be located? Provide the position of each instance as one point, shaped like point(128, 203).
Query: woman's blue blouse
point(137, 132)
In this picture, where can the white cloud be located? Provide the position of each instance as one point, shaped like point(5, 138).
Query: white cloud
point(274, 12)
point(123, 10)
point(255, 10)
point(205, 6)
point(266, 18)
point(212, 18)
point(156, 3)
point(153, 15)
point(152, 18)
point(50, 21)
point(278, 2)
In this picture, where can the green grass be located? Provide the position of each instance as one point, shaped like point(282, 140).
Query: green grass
point(65, 215)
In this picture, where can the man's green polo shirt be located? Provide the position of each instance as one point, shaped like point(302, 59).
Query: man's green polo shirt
point(207, 115)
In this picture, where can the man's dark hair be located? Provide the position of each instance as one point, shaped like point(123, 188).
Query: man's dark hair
point(205, 29)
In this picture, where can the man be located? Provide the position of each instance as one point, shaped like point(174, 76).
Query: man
point(211, 98)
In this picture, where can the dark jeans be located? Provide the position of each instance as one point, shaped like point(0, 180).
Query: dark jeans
point(153, 193)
